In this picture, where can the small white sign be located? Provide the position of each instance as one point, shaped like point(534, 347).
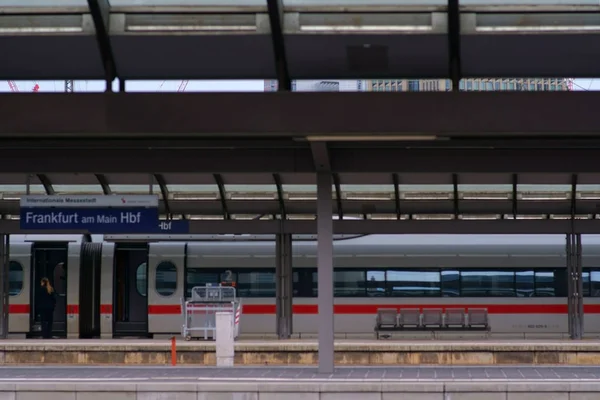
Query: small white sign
point(89, 201)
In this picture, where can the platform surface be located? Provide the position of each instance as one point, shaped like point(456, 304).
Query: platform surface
point(295, 374)
point(307, 345)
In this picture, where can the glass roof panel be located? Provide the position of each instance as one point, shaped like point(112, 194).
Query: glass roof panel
point(251, 188)
point(302, 188)
point(22, 189)
point(543, 188)
point(44, 3)
point(135, 189)
point(185, 3)
point(367, 188)
point(213, 188)
point(359, 3)
point(588, 188)
point(528, 2)
point(484, 188)
point(78, 189)
point(426, 188)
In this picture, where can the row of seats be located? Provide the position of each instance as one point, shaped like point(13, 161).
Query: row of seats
point(431, 318)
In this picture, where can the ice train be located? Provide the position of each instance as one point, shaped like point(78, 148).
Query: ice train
point(134, 288)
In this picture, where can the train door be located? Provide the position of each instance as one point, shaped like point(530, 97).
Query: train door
point(20, 297)
point(166, 277)
point(89, 290)
point(50, 261)
point(130, 305)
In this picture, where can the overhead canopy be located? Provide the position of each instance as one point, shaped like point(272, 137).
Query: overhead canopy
point(201, 180)
point(297, 39)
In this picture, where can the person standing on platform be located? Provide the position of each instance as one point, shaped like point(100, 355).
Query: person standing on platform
point(46, 305)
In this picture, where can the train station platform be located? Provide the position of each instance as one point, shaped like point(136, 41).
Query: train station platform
point(302, 352)
point(301, 383)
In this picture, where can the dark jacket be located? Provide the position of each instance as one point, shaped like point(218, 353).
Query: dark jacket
point(45, 300)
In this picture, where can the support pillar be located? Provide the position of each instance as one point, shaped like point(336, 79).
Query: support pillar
point(575, 286)
point(578, 248)
point(284, 288)
point(325, 272)
point(4, 283)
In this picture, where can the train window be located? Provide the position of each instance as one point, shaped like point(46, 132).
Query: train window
point(413, 283)
point(450, 283)
point(141, 280)
point(303, 282)
point(595, 283)
point(525, 283)
point(349, 283)
point(201, 277)
point(544, 284)
point(15, 278)
point(585, 277)
point(256, 283)
point(487, 283)
point(166, 278)
point(375, 283)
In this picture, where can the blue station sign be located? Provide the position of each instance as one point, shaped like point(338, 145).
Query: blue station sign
point(92, 214)
point(174, 227)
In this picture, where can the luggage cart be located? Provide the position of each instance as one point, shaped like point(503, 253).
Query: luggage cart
point(199, 312)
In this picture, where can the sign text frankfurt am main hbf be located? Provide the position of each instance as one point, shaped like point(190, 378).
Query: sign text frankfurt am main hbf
point(93, 214)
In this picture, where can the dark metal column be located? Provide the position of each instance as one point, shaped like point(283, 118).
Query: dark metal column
point(283, 270)
point(579, 272)
point(575, 286)
point(4, 283)
point(569, 259)
point(325, 272)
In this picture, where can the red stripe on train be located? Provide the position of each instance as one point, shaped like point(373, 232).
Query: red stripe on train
point(72, 309)
point(163, 309)
point(312, 309)
point(18, 308)
point(371, 309)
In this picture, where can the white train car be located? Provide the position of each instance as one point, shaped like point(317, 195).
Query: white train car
point(135, 288)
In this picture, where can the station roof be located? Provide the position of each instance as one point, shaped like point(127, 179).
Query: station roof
point(308, 39)
point(243, 163)
point(397, 188)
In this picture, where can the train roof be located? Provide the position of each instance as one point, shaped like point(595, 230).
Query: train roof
point(389, 245)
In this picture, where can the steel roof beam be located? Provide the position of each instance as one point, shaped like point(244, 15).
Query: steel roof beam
point(295, 161)
point(267, 115)
point(338, 195)
point(574, 178)
point(47, 184)
point(515, 200)
point(100, 10)
point(396, 181)
point(162, 183)
point(205, 227)
point(280, 198)
point(455, 195)
point(291, 144)
point(222, 195)
point(454, 64)
point(275, 8)
point(103, 183)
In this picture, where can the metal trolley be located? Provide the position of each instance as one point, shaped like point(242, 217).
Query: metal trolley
point(199, 312)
